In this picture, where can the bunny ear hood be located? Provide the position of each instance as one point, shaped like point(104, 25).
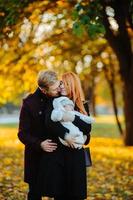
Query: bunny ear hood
point(60, 101)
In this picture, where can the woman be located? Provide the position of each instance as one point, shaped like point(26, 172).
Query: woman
point(71, 87)
point(63, 172)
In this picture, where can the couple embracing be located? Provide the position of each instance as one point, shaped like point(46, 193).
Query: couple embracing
point(54, 126)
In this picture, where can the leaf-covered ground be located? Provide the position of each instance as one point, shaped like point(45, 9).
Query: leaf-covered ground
point(110, 177)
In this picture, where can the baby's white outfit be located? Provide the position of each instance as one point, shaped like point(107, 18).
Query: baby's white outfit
point(57, 115)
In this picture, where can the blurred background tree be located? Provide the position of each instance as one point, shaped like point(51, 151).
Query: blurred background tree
point(114, 20)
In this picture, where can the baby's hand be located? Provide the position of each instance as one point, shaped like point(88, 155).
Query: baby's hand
point(87, 119)
point(92, 120)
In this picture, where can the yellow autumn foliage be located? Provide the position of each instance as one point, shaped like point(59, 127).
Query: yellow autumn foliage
point(109, 178)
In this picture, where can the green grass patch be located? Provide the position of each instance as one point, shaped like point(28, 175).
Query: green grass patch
point(10, 125)
point(105, 126)
point(105, 130)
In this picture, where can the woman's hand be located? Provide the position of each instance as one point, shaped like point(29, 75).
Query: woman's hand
point(48, 145)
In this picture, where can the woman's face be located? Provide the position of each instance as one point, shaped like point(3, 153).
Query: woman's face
point(62, 89)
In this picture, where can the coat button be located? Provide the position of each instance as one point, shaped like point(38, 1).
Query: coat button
point(40, 112)
point(41, 100)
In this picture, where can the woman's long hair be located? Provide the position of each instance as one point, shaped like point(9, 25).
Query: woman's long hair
point(74, 90)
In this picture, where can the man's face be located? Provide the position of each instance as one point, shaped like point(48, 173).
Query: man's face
point(53, 90)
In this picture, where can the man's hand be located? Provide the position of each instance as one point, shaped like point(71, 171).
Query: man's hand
point(48, 145)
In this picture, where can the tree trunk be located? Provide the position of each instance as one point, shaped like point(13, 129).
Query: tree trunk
point(128, 110)
point(93, 98)
point(113, 95)
point(127, 96)
point(121, 44)
point(89, 90)
point(111, 82)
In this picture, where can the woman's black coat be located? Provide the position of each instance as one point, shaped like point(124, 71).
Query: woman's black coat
point(63, 172)
point(33, 130)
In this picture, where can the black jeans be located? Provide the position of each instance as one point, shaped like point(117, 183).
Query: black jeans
point(66, 198)
point(32, 194)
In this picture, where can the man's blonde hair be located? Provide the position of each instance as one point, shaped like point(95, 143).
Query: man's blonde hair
point(46, 78)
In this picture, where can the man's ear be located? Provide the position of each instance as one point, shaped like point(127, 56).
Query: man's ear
point(42, 90)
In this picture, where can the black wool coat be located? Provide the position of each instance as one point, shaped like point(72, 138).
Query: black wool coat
point(33, 130)
point(63, 172)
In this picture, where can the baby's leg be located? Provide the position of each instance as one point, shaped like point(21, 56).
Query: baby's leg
point(79, 139)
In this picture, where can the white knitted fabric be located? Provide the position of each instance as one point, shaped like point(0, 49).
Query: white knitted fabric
point(57, 115)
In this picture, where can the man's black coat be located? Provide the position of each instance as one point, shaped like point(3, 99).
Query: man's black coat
point(32, 132)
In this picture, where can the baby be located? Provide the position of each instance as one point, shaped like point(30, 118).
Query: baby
point(62, 105)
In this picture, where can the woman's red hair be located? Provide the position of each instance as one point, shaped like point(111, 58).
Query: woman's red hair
point(74, 90)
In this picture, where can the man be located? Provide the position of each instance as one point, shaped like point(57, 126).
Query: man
point(32, 128)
